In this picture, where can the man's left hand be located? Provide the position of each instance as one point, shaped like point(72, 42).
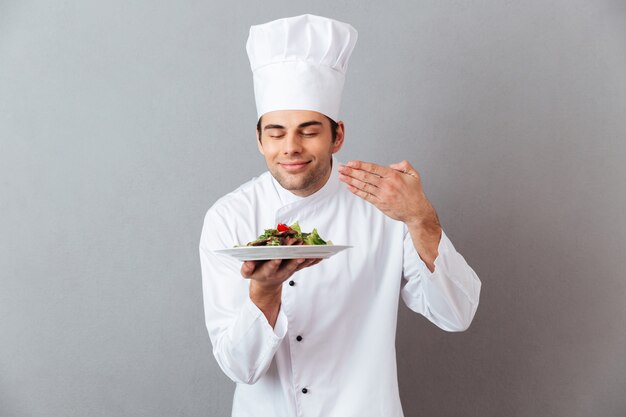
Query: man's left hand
point(395, 190)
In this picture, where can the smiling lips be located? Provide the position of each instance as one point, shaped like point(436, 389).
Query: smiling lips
point(294, 166)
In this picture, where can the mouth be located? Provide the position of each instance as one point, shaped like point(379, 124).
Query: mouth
point(294, 166)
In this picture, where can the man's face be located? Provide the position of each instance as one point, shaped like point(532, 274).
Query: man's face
point(298, 146)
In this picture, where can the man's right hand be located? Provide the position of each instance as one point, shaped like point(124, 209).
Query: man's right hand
point(266, 282)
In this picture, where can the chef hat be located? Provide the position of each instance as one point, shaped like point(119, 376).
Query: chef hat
point(299, 63)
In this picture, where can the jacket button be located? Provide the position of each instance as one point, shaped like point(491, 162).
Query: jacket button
point(292, 283)
point(304, 390)
point(299, 338)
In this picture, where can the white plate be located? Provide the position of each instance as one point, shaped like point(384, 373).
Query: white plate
point(258, 253)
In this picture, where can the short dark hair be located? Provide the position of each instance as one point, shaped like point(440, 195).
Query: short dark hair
point(333, 127)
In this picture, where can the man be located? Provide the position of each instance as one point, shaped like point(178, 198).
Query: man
point(303, 337)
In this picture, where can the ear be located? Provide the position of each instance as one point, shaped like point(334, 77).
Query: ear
point(259, 144)
point(340, 136)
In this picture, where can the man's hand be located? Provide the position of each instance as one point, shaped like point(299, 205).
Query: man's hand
point(266, 282)
point(397, 191)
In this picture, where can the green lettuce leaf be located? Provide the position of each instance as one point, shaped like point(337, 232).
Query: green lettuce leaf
point(313, 238)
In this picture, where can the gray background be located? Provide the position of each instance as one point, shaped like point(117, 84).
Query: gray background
point(122, 122)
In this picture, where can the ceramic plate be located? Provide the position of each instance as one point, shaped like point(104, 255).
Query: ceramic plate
point(258, 253)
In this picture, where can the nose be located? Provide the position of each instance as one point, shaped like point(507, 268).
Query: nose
point(292, 144)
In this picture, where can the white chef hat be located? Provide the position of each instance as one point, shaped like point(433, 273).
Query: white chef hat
point(299, 63)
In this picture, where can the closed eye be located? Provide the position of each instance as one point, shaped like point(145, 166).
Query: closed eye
point(276, 133)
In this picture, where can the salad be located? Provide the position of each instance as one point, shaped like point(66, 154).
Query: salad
point(284, 235)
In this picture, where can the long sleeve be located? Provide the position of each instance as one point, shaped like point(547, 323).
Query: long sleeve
point(449, 296)
point(243, 341)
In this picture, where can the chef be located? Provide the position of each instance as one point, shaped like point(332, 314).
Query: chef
point(302, 337)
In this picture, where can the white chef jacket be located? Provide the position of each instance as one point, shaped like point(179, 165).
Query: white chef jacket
point(332, 350)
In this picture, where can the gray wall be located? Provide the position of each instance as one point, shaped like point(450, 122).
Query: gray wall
point(122, 122)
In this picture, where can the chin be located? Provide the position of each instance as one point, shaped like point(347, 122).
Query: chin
point(295, 182)
point(291, 185)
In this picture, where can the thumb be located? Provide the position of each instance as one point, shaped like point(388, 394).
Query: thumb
point(403, 166)
point(248, 268)
point(406, 168)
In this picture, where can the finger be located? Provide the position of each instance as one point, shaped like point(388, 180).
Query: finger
point(308, 263)
point(247, 268)
point(400, 166)
point(264, 269)
point(273, 266)
point(311, 262)
point(364, 195)
point(405, 167)
point(291, 266)
point(361, 175)
point(375, 169)
point(363, 186)
point(303, 265)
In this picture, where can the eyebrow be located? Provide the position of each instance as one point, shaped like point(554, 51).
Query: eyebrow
point(300, 126)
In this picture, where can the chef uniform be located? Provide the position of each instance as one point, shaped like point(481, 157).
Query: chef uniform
point(332, 349)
